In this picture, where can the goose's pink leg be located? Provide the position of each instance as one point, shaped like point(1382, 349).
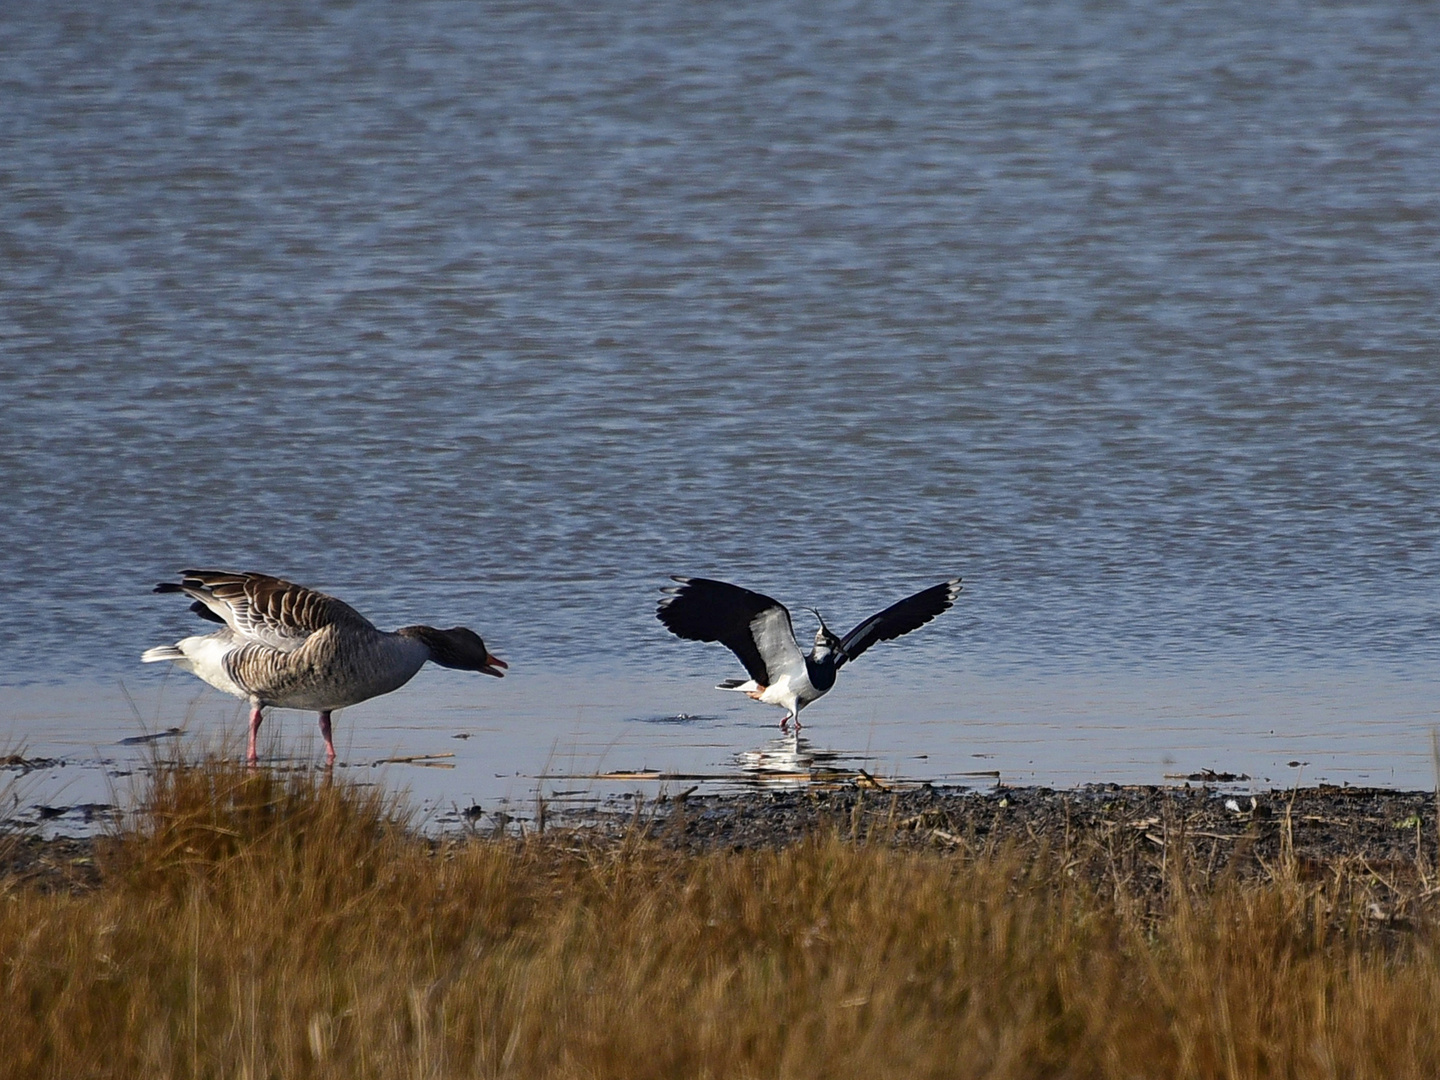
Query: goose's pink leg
point(329, 743)
point(250, 756)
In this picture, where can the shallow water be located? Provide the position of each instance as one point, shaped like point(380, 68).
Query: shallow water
point(497, 315)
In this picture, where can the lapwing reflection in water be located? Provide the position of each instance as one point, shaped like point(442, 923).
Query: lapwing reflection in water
point(789, 762)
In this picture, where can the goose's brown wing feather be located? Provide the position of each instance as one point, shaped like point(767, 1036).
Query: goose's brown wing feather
point(265, 609)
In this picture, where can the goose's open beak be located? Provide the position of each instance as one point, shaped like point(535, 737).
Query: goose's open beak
point(492, 666)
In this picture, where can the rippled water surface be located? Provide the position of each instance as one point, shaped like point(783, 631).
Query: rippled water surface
point(498, 314)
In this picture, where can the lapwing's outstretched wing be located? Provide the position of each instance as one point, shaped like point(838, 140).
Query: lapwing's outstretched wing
point(909, 614)
point(751, 625)
point(261, 608)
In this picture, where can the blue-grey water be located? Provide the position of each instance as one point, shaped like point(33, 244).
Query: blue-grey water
point(498, 314)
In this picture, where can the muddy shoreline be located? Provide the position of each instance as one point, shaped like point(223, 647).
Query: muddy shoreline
point(1134, 840)
point(1099, 831)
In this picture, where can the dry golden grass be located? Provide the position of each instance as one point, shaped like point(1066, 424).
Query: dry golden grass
point(255, 926)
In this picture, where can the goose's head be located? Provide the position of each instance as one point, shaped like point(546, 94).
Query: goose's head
point(458, 648)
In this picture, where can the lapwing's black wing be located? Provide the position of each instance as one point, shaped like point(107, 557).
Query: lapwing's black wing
point(751, 625)
point(909, 614)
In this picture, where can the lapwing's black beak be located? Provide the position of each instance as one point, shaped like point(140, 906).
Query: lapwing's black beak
point(492, 666)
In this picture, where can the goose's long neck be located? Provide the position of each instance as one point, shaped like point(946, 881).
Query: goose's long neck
point(399, 653)
point(425, 640)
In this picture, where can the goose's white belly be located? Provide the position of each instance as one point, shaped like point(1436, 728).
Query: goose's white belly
point(204, 657)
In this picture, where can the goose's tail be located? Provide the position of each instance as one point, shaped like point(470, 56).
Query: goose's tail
point(161, 652)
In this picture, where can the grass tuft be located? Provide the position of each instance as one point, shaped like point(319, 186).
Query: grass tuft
point(256, 925)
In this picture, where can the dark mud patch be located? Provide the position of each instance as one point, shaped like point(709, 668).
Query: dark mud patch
point(1108, 834)
point(1131, 837)
point(61, 864)
point(19, 763)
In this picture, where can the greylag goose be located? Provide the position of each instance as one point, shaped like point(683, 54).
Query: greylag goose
point(290, 647)
point(757, 629)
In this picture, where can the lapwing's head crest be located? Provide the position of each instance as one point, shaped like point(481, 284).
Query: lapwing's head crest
point(825, 641)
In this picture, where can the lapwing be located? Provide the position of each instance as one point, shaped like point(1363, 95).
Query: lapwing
point(757, 629)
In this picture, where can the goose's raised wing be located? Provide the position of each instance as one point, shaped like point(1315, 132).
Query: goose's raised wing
point(909, 614)
point(263, 609)
point(753, 626)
